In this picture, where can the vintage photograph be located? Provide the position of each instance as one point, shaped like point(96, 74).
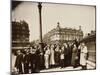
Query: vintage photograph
point(52, 37)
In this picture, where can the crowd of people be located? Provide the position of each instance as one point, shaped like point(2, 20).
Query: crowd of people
point(33, 59)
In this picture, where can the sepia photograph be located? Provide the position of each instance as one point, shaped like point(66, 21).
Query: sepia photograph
point(52, 37)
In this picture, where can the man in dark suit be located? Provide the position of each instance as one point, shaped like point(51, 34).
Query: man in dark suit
point(26, 61)
point(33, 60)
point(19, 62)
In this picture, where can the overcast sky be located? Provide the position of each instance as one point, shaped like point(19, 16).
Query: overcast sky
point(71, 16)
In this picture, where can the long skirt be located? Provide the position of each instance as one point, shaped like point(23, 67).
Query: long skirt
point(57, 59)
point(73, 61)
point(83, 59)
point(46, 61)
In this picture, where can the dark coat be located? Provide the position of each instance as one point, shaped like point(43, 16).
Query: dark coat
point(19, 61)
point(74, 55)
point(57, 57)
point(33, 58)
point(67, 56)
point(26, 61)
point(26, 58)
point(33, 62)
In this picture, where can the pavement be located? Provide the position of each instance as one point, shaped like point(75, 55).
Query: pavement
point(62, 69)
point(90, 65)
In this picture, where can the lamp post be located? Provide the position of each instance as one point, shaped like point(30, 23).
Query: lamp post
point(41, 61)
point(40, 19)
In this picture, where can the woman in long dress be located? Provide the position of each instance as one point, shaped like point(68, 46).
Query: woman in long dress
point(74, 56)
point(52, 61)
point(46, 57)
point(57, 56)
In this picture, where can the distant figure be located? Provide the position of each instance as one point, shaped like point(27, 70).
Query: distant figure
point(46, 57)
point(19, 62)
point(83, 56)
point(74, 56)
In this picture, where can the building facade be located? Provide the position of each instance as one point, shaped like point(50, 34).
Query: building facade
point(60, 35)
point(20, 35)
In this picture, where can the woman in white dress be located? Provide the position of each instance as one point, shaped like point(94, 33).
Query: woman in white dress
point(52, 61)
point(46, 57)
point(83, 56)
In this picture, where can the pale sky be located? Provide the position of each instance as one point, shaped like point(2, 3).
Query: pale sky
point(71, 16)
